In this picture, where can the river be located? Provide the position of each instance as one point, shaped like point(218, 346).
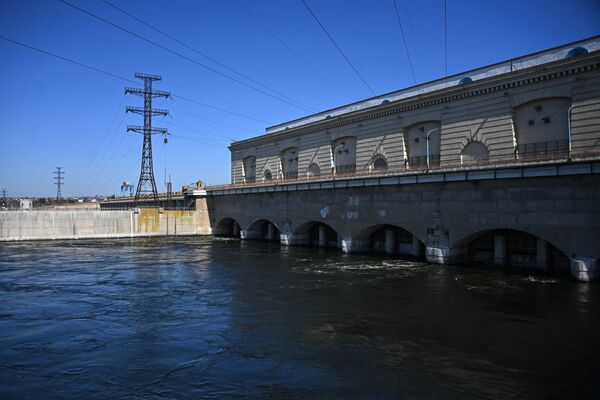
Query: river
point(197, 317)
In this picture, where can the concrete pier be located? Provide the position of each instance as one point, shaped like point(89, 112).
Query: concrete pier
point(270, 232)
point(542, 254)
point(585, 269)
point(389, 241)
point(322, 236)
point(499, 250)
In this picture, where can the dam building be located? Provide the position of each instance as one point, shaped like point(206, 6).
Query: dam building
point(495, 166)
point(479, 166)
point(518, 109)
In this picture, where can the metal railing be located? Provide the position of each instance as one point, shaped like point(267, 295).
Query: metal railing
point(290, 175)
point(421, 161)
point(543, 150)
point(549, 152)
point(345, 169)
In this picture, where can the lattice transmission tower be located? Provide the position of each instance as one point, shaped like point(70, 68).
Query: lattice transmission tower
point(58, 181)
point(146, 184)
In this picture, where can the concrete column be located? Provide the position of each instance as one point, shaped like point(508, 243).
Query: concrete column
point(270, 231)
point(236, 229)
point(285, 239)
point(445, 255)
point(349, 245)
point(389, 241)
point(416, 247)
point(585, 269)
point(499, 250)
point(542, 255)
point(322, 236)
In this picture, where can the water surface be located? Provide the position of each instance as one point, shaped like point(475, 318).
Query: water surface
point(190, 318)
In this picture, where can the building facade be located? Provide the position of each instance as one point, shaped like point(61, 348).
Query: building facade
point(538, 106)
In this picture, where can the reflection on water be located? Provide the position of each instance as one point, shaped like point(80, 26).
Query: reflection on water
point(209, 318)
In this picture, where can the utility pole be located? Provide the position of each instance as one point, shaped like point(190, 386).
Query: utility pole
point(4, 198)
point(58, 181)
point(169, 191)
point(146, 184)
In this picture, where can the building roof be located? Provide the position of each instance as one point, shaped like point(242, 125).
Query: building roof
point(554, 54)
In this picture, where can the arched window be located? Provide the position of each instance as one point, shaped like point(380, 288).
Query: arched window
point(415, 141)
point(475, 152)
point(542, 127)
point(289, 163)
point(250, 169)
point(314, 170)
point(344, 155)
point(268, 176)
point(379, 162)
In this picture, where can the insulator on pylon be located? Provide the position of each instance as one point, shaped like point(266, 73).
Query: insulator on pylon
point(165, 140)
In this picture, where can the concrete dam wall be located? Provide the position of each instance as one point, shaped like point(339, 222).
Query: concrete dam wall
point(73, 224)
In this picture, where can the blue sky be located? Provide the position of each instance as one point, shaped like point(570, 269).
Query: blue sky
point(58, 114)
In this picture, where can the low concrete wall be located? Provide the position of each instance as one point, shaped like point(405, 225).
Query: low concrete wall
point(73, 224)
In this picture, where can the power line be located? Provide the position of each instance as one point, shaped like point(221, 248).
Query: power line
point(574, 11)
point(201, 53)
point(67, 59)
point(84, 173)
point(204, 133)
point(404, 40)
point(105, 161)
point(160, 46)
point(284, 44)
point(118, 165)
point(218, 108)
point(210, 120)
point(445, 39)
point(128, 80)
point(336, 46)
point(197, 140)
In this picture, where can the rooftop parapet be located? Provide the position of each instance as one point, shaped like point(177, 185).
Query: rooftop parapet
point(465, 78)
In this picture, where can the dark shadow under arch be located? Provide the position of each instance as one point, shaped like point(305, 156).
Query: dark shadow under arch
point(316, 233)
point(263, 229)
point(227, 227)
point(514, 248)
point(391, 239)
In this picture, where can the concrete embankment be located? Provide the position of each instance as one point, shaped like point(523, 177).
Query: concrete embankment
point(75, 224)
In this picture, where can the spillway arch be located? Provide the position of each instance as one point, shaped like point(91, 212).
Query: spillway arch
point(316, 233)
point(227, 227)
point(263, 229)
point(520, 248)
point(392, 239)
point(470, 237)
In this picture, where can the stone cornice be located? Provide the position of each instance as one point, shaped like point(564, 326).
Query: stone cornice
point(493, 84)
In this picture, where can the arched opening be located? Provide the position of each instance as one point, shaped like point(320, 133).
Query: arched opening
point(268, 176)
point(289, 163)
point(475, 153)
point(263, 229)
point(314, 170)
point(542, 128)
point(344, 155)
point(512, 248)
point(249, 169)
point(392, 239)
point(379, 163)
point(415, 142)
point(227, 227)
point(316, 234)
